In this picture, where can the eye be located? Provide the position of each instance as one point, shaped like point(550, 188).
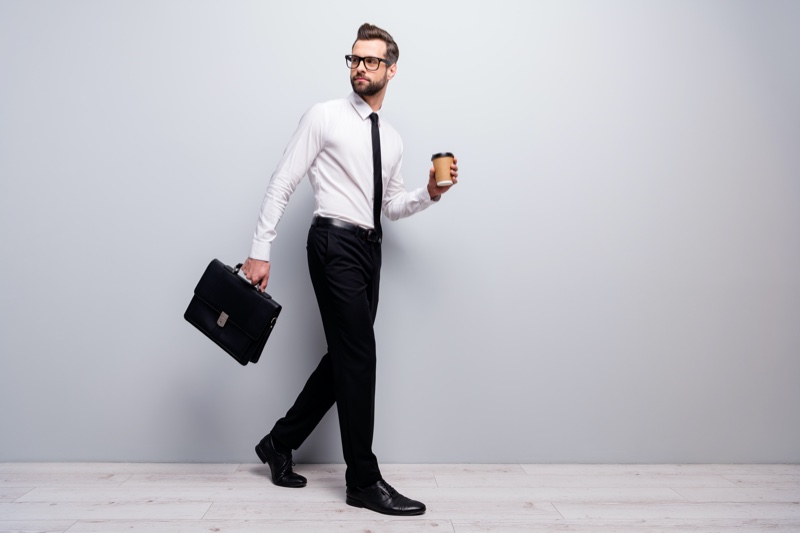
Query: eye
point(372, 61)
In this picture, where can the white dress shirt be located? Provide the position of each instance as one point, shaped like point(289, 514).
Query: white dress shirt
point(333, 146)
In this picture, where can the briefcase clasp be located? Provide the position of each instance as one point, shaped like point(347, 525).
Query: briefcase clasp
point(223, 318)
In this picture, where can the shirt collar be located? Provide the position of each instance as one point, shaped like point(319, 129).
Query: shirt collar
point(361, 107)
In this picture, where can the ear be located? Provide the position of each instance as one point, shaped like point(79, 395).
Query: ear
point(391, 71)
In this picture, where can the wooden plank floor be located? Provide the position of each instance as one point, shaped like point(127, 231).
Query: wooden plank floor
point(518, 498)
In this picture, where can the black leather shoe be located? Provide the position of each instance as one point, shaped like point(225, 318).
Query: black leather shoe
point(382, 498)
point(280, 464)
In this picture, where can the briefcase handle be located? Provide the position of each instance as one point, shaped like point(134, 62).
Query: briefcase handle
point(236, 270)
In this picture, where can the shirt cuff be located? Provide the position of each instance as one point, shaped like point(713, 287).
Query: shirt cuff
point(260, 250)
point(424, 197)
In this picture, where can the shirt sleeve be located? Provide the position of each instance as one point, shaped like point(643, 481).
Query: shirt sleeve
point(398, 202)
point(298, 157)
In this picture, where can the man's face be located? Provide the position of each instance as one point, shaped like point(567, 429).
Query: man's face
point(370, 82)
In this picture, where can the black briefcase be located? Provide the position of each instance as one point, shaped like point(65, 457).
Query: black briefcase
point(232, 312)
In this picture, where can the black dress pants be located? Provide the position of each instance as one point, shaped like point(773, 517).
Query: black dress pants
point(345, 271)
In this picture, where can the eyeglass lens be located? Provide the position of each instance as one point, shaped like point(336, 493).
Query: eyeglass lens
point(371, 63)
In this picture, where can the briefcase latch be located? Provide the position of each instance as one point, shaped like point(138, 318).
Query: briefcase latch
point(223, 318)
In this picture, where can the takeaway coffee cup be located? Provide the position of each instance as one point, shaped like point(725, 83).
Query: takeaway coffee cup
point(441, 166)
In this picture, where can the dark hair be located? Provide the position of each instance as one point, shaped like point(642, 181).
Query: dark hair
point(368, 32)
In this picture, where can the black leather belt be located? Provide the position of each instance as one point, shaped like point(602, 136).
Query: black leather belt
point(369, 235)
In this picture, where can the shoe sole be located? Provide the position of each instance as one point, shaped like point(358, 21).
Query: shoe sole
point(358, 503)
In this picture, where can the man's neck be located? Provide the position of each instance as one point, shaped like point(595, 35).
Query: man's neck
point(375, 101)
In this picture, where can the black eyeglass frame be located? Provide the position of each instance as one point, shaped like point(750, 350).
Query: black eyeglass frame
point(353, 61)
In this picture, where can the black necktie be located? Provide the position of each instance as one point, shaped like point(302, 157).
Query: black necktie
point(377, 176)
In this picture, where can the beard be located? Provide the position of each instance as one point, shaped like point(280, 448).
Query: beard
point(370, 89)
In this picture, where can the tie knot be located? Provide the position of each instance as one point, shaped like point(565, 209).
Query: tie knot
point(374, 118)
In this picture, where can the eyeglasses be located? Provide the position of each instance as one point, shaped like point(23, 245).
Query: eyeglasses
point(370, 63)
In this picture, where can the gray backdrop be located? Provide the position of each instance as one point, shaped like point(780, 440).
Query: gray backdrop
point(615, 279)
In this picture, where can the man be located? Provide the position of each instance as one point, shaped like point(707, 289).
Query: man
point(352, 157)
